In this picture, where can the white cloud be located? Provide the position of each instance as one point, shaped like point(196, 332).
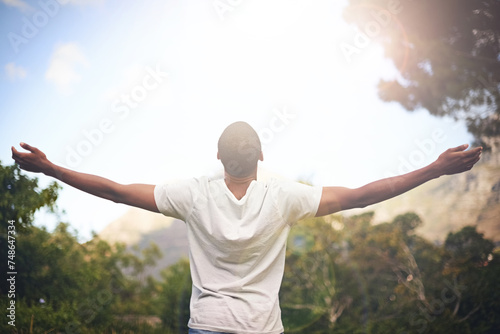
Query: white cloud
point(15, 72)
point(19, 4)
point(63, 66)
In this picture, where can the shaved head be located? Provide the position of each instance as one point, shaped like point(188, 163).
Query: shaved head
point(239, 149)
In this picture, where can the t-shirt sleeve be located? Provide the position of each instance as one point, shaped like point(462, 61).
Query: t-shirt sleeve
point(298, 201)
point(176, 199)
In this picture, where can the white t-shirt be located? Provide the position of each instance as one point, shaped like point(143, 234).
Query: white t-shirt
point(237, 248)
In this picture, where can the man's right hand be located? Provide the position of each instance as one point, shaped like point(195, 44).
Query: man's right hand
point(34, 161)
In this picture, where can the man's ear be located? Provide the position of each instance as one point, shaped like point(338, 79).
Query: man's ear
point(218, 157)
point(261, 157)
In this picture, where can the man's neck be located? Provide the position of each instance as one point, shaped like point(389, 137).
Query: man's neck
point(239, 185)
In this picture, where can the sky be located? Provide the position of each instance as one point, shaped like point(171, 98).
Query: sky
point(139, 92)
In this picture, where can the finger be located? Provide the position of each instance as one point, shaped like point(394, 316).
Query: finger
point(28, 147)
point(471, 154)
point(16, 155)
point(476, 150)
point(470, 158)
point(471, 162)
point(459, 148)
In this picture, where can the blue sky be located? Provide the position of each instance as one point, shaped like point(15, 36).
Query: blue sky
point(140, 91)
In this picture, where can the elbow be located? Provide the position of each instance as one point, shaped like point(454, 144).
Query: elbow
point(361, 205)
point(114, 194)
point(353, 204)
point(358, 205)
point(361, 199)
point(364, 205)
point(363, 202)
point(116, 200)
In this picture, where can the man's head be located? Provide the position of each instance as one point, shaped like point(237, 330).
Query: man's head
point(239, 149)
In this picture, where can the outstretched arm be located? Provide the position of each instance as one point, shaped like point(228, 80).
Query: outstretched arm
point(138, 195)
point(452, 161)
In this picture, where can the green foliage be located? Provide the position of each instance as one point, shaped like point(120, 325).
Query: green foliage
point(173, 296)
point(72, 287)
point(346, 275)
point(447, 53)
point(61, 285)
point(20, 198)
point(310, 297)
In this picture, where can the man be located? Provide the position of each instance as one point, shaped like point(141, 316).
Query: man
point(237, 226)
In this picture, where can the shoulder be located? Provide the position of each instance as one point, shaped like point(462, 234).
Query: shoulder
point(295, 200)
point(285, 185)
point(181, 188)
point(177, 198)
point(192, 182)
point(292, 191)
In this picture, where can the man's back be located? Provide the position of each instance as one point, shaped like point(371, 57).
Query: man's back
point(237, 248)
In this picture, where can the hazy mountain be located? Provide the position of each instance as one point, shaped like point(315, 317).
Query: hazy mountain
point(445, 205)
point(141, 228)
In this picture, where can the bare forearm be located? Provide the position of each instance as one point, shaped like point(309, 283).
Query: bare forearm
point(88, 183)
point(384, 189)
point(336, 199)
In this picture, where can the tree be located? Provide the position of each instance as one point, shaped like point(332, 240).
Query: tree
point(310, 298)
point(62, 285)
point(347, 275)
point(470, 260)
point(447, 53)
point(385, 279)
point(20, 197)
point(173, 294)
